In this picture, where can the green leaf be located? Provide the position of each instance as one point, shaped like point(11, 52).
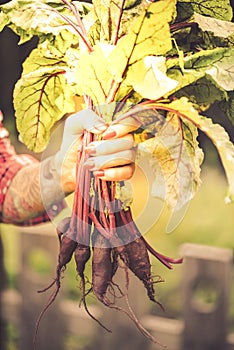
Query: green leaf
point(214, 63)
point(175, 157)
point(124, 90)
point(185, 78)
point(217, 63)
point(217, 135)
point(228, 106)
point(58, 46)
point(91, 75)
point(218, 27)
point(93, 28)
point(202, 92)
point(148, 35)
point(218, 9)
point(222, 71)
point(184, 11)
point(204, 59)
point(109, 13)
point(3, 21)
point(29, 17)
point(114, 17)
point(126, 93)
point(41, 97)
point(148, 77)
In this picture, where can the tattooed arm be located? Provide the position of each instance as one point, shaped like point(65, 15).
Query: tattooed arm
point(33, 193)
point(23, 198)
point(20, 186)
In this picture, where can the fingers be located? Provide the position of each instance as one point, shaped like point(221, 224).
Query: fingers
point(116, 174)
point(104, 147)
point(118, 129)
point(110, 160)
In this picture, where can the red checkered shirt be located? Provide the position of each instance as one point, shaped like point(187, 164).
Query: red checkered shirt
point(10, 164)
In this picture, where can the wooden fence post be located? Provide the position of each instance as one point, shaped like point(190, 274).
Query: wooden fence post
point(206, 292)
point(52, 328)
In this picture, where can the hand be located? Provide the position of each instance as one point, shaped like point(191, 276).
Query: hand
point(112, 158)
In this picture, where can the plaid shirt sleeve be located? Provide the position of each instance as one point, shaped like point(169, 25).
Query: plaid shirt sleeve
point(10, 164)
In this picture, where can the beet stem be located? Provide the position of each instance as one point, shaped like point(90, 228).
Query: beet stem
point(167, 261)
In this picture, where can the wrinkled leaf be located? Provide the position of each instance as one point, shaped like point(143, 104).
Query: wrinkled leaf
point(109, 13)
point(28, 17)
point(148, 77)
point(184, 11)
point(216, 63)
point(222, 71)
point(59, 45)
point(147, 116)
point(175, 157)
point(203, 92)
point(115, 15)
point(41, 97)
point(149, 34)
point(92, 77)
point(93, 27)
point(185, 78)
point(3, 20)
point(218, 27)
point(228, 106)
point(204, 59)
point(215, 132)
point(218, 9)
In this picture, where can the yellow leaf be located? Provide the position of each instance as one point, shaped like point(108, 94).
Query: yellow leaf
point(148, 78)
point(92, 76)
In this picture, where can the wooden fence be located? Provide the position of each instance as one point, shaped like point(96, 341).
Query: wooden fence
point(67, 327)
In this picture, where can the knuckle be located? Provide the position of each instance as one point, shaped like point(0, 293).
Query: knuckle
point(130, 171)
point(127, 155)
point(130, 155)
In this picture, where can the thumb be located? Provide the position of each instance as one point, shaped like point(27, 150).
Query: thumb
point(84, 120)
point(77, 123)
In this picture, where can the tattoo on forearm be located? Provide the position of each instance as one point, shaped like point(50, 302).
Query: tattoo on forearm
point(33, 190)
point(23, 199)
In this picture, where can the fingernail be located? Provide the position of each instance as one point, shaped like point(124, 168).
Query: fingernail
point(101, 127)
point(90, 150)
point(89, 164)
point(99, 173)
point(110, 133)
